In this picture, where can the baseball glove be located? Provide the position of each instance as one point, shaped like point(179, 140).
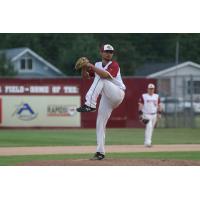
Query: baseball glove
point(142, 118)
point(81, 62)
point(144, 121)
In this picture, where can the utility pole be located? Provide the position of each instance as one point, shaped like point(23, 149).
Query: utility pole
point(177, 52)
point(175, 79)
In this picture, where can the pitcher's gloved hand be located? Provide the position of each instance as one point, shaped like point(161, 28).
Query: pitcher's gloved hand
point(81, 62)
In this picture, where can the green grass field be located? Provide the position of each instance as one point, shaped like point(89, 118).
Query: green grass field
point(69, 137)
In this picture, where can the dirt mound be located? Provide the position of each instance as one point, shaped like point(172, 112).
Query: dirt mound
point(112, 162)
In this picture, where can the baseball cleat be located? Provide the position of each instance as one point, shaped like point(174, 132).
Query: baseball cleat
point(98, 156)
point(85, 108)
point(148, 145)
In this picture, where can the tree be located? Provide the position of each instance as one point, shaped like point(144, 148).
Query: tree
point(82, 45)
point(132, 49)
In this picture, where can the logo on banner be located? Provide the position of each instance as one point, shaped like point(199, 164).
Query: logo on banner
point(61, 110)
point(25, 112)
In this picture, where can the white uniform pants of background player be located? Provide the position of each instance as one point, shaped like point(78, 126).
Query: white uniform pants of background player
point(111, 98)
point(149, 128)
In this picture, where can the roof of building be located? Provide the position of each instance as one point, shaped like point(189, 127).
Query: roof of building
point(15, 53)
point(11, 53)
point(158, 69)
point(150, 68)
point(172, 68)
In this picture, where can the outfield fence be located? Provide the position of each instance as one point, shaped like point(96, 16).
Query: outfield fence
point(52, 102)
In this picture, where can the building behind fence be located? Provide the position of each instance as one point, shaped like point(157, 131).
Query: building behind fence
point(179, 88)
point(180, 99)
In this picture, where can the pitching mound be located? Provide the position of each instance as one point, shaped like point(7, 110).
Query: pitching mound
point(113, 162)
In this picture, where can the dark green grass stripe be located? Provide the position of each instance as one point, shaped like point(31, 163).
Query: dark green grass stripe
point(85, 137)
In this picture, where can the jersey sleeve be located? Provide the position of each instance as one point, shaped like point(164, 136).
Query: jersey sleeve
point(158, 100)
point(91, 73)
point(141, 100)
point(113, 69)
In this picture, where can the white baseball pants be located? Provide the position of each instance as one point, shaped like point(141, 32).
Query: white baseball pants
point(111, 98)
point(149, 128)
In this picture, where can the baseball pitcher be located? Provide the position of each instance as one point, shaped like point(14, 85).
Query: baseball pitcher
point(109, 84)
point(149, 112)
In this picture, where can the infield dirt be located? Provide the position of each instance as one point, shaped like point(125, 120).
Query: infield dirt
point(7, 151)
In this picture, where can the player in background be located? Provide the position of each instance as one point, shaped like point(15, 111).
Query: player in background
point(149, 110)
point(109, 84)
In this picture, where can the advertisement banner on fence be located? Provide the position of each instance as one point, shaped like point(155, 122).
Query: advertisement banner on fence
point(40, 111)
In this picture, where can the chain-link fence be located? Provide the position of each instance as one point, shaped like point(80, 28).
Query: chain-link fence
point(180, 99)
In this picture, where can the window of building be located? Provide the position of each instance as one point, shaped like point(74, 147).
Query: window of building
point(23, 64)
point(30, 67)
point(194, 87)
point(26, 64)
